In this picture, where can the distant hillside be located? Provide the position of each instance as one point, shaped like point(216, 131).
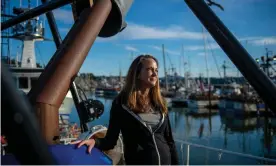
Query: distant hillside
point(86, 81)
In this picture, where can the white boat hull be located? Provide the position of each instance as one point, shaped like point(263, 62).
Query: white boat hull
point(201, 103)
point(179, 101)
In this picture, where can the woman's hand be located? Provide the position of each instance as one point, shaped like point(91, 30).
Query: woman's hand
point(89, 143)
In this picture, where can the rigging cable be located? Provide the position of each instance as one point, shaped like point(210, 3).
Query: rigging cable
point(212, 53)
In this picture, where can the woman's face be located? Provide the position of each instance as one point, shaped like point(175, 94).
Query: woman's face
point(149, 73)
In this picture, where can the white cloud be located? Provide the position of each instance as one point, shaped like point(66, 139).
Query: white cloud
point(65, 16)
point(249, 38)
point(130, 48)
point(264, 41)
point(142, 32)
point(201, 47)
point(260, 40)
point(201, 54)
point(166, 50)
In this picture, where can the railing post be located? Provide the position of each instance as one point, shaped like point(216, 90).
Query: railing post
point(188, 154)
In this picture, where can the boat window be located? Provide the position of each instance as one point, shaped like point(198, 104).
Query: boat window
point(33, 81)
point(23, 82)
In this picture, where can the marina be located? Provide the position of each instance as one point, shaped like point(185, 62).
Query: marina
point(210, 135)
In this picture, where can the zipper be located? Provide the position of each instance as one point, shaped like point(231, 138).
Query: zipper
point(134, 115)
point(158, 155)
point(149, 128)
point(162, 121)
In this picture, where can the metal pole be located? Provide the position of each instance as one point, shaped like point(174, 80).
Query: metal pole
point(267, 64)
point(238, 55)
point(165, 70)
point(188, 154)
point(54, 82)
point(53, 26)
point(266, 69)
point(58, 42)
point(34, 13)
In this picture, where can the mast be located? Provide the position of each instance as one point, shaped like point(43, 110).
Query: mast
point(207, 70)
point(185, 74)
point(120, 73)
point(180, 60)
point(224, 69)
point(206, 62)
point(165, 70)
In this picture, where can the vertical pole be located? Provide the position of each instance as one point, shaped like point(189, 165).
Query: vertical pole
point(165, 70)
point(54, 82)
point(58, 42)
point(188, 154)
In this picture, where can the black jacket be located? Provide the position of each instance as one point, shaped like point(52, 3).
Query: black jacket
point(141, 144)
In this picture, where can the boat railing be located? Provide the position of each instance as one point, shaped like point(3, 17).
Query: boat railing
point(201, 154)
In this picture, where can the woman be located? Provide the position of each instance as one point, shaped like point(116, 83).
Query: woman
point(141, 115)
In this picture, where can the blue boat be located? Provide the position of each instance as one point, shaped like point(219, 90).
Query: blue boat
point(73, 156)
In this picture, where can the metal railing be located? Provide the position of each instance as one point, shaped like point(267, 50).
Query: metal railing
point(220, 152)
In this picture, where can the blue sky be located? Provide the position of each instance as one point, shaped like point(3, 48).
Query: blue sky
point(152, 23)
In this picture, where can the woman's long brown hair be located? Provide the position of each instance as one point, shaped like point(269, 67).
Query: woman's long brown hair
point(129, 92)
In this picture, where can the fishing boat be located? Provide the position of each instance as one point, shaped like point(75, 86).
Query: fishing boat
point(202, 101)
point(239, 104)
point(180, 100)
point(232, 100)
point(204, 96)
point(26, 71)
point(109, 87)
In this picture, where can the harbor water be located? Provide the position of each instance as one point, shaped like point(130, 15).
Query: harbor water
point(254, 136)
